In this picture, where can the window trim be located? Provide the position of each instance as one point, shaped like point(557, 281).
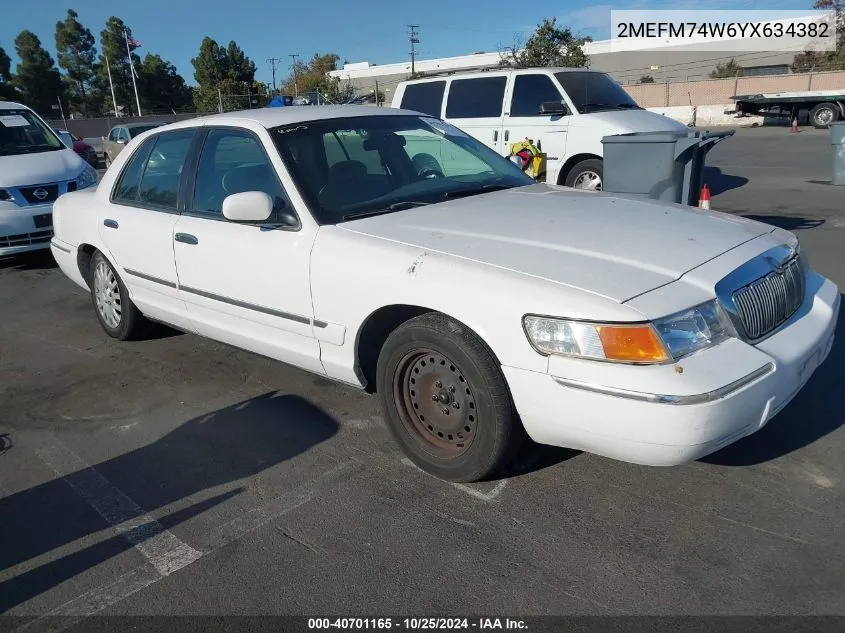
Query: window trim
point(190, 180)
point(550, 79)
point(137, 204)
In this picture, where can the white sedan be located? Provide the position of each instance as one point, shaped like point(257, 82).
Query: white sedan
point(390, 251)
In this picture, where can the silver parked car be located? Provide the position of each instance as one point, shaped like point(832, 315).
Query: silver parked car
point(120, 135)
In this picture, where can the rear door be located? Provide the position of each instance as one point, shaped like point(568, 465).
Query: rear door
point(476, 105)
point(527, 91)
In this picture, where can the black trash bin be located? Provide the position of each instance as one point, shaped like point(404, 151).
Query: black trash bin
point(660, 165)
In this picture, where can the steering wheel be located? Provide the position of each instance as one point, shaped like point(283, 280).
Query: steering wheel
point(430, 172)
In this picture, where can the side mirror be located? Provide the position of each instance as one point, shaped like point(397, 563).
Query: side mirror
point(248, 206)
point(120, 141)
point(553, 108)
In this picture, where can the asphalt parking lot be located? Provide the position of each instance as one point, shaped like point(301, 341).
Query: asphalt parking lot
point(180, 476)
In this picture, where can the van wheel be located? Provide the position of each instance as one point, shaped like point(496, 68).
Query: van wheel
point(445, 399)
point(823, 115)
point(116, 313)
point(586, 175)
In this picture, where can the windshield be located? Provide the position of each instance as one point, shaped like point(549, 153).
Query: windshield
point(353, 167)
point(22, 132)
point(135, 130)
point(594, 92)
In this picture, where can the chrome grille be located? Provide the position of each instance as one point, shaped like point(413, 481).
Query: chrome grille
point(768, 302)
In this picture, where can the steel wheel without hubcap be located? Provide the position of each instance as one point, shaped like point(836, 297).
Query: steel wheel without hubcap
point(435, 402)
point(589, 180)
point(107, 294)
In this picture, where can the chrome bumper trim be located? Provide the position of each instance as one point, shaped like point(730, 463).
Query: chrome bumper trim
point(659, 398)
point(58, 246)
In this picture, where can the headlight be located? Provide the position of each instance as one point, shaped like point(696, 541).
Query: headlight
point(661, 341)
point(691, 330)
point(86, 177)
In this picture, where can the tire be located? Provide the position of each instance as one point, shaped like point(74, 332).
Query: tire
point(115, 311)
point(580, 175)
point(823, 115)
point(471, 430)
point(107, 161)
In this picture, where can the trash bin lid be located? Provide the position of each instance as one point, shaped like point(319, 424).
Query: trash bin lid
point(668, 136)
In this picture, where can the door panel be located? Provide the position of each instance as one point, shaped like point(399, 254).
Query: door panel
point(475, 105)
point(549, 133)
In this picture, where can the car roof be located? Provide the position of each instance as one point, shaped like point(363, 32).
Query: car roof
point(142, 124)
point(446, 75)
point(12, 105)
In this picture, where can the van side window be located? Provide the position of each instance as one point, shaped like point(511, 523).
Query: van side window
point(476, 98)
point(529, 91)
point(425, 97)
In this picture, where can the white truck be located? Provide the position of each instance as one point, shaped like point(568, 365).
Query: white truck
point(824, 106)
point(565, 112)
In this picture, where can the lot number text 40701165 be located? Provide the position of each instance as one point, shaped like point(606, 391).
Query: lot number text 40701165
point(415, 624)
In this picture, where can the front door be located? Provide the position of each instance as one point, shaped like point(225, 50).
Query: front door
point(246, 284)
point(475, 106)
point(524, 121)
point(137, 225)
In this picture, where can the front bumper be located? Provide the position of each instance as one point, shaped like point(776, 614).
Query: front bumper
point(672, 414)
point(18, 230)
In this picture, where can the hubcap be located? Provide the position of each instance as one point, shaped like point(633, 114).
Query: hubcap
point(589, 180)
point(107, 294)
point(435, 402)
point(824, 116)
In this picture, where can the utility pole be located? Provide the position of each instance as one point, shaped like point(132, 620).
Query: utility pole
point(273, 61)
point(413, 38)
point(293, 56)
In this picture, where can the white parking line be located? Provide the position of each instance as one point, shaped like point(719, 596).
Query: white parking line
point(165, 553)
point(478, 494)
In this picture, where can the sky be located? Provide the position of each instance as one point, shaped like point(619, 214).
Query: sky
point(361, 30)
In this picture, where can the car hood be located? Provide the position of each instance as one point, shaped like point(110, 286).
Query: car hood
point(623, 121)
point(39, 169)
point(615, 247)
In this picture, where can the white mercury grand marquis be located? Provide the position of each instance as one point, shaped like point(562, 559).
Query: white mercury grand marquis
point(388, 250)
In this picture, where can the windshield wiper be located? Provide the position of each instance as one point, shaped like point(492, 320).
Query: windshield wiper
point(396, 206)
point(473, 191)
point(628, 106)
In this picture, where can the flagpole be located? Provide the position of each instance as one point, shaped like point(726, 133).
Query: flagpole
point(111, 85)
point(132, 68)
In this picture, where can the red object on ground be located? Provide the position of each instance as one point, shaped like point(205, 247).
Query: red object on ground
point(794, 125)
point(704, 198)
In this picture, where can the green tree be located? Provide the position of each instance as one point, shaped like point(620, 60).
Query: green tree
point(7, 88)
point(36, 78)
point(549, 45)
point(646, 79)
point(223, 74)
point(78, 58)
point(810, 61)
point(113, 48)
point(312, 76)
point(727, 70)
point(161, 87)
point(239, 67)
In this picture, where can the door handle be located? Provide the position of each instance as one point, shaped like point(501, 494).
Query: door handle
point(187, 238)
point(112, 224)
point(495, 136)
point(507, 134)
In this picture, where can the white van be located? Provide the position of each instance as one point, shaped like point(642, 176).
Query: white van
point(36, 167)
point(564, 111)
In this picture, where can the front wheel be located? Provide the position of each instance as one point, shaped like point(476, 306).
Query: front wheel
point(107, 161)
point(823, 115)
point(587, 175)
point(445, 399)
point(116, 313)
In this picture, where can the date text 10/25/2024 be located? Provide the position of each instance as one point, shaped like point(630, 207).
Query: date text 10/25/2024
point(414, 624)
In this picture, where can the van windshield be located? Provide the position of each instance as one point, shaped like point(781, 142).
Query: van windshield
point(22, 132)
point(595, 92)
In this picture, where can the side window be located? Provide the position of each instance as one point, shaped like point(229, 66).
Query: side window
point(127, 186)
point(123, 134)
point(160, 182)
point(476, 98)
point(529, 91)
point(113, 134)
point(233, 161)
point(425, 97)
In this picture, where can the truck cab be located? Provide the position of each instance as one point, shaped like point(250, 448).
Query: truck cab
point(563, 112)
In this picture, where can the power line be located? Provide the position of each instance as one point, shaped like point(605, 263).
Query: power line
point(413, 39)
point(273, 61)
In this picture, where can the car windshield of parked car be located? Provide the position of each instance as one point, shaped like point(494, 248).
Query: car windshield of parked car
point(353, 167)
point(135, 130)
point(595, 92)
point(21, 132)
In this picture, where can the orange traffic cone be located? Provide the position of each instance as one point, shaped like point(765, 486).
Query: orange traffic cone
point(704, 198)
point(795, 125)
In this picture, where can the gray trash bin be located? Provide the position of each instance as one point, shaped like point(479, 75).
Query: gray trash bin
point(660, 165)
point(837, 140)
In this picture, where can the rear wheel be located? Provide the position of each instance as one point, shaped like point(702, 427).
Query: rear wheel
point(116, 313)
point(587, 175)
point(108, 161)
point(445, 399)
point(823, 115)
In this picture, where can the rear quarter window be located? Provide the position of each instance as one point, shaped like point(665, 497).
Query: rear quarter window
point(424, 97)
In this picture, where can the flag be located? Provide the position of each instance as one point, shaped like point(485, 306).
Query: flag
point(133, 42)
